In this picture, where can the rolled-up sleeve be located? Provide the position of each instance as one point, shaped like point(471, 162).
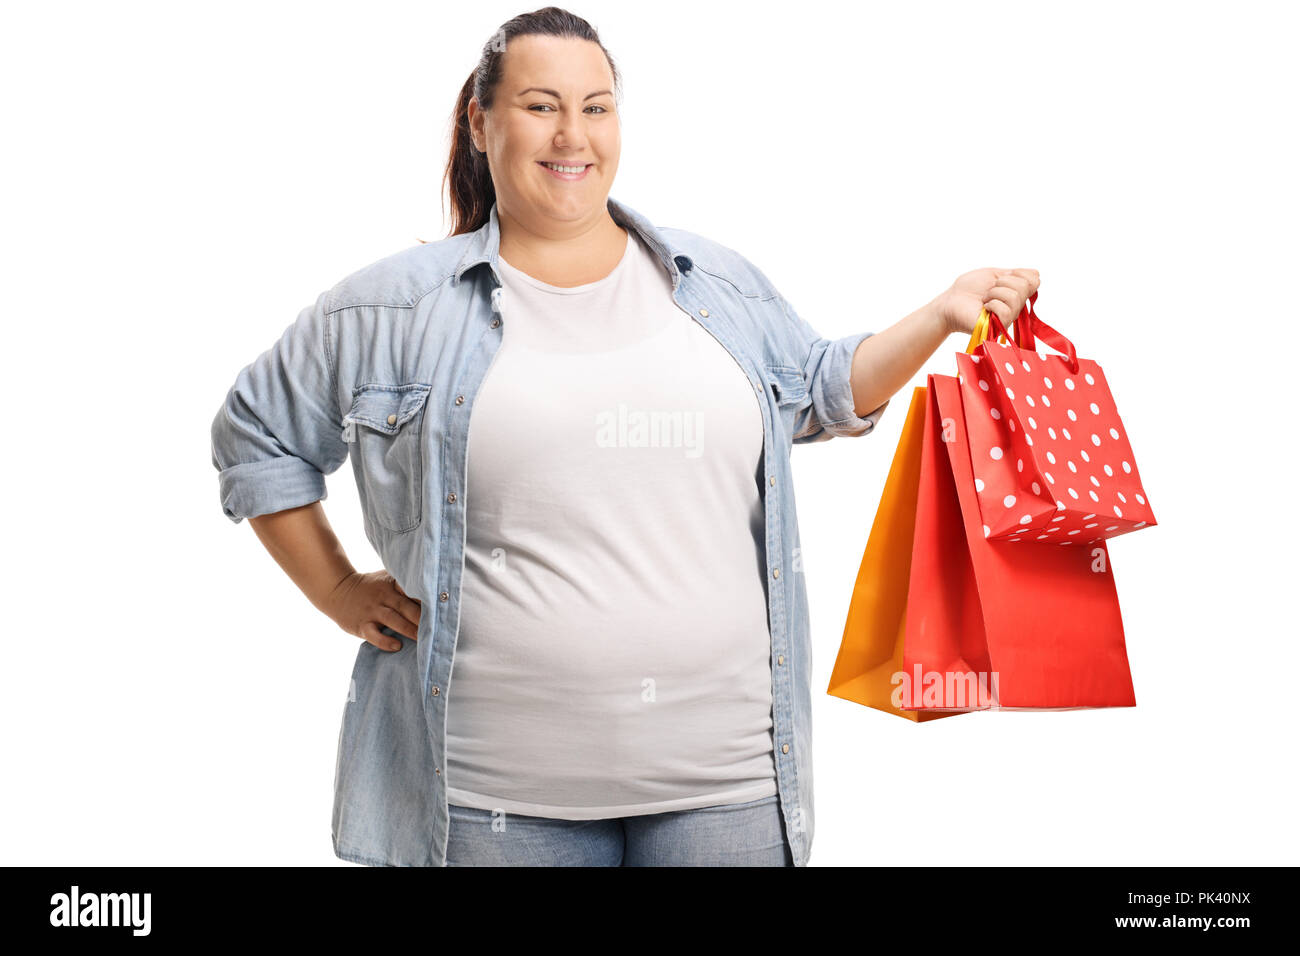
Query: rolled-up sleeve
point(828, 372)
point(279, 431)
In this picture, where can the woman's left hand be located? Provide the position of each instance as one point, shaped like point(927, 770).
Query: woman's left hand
point(1002, 291)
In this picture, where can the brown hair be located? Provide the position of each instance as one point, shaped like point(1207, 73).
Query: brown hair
point(467, 178)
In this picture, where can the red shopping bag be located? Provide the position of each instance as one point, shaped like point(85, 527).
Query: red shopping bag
point(1049, 454)
point(996, 624)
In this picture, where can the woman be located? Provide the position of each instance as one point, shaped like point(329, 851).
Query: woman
point(633, 663)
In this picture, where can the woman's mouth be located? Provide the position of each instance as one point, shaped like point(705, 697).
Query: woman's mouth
point(566, 171)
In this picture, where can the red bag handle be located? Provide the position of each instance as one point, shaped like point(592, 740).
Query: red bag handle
point(1027, 325)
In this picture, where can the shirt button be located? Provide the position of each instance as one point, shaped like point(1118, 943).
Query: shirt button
point(785, 748)
point(438, 771)
point(451, 496)
point(776, 572)
point(443, 596)
point(392, 419)
point(772, 480)
point(704, 312)
point(460, 399)
point(780, 658)
point(495, 323)
point(434, 692)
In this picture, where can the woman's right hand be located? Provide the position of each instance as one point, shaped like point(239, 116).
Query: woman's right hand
point(363, 603)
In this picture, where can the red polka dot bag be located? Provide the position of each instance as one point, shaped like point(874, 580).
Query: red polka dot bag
point(1051, 459)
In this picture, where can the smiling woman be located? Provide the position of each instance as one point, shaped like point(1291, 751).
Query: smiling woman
point(571, 433)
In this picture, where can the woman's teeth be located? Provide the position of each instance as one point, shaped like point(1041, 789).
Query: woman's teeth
point(565, 169)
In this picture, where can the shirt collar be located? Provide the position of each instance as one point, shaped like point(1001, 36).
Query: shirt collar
point(485, 242)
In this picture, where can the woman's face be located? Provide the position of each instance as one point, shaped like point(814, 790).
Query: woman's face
point(554, 104)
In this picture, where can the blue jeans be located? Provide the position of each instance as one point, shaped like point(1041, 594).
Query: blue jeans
point(738, 834)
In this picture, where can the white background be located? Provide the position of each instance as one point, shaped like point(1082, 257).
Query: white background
point(181, 179)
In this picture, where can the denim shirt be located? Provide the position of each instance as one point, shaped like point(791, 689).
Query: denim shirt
point(383, 369)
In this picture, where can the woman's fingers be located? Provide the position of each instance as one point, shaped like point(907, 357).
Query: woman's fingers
point(407, 606)
point(371, 633)
point(390, 618)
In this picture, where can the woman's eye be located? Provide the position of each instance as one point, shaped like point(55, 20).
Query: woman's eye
point(548, 106)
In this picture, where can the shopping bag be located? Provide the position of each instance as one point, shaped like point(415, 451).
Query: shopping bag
point(871, 651)
point(1049, 454)
point(995, 623)
point(945, 620)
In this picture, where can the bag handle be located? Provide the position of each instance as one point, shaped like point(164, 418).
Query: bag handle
point(1027, 325)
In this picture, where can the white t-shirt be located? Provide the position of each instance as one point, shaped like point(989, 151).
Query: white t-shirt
point(614, 654)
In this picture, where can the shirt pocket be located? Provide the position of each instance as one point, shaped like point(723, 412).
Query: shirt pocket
point(787, 384)
point(385, 430)
point(789, 392)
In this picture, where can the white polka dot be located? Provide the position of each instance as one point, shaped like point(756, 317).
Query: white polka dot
point(1051, 433)
point(1026, 365)
point(1010, 368)
point(1048, 476)
point(1011, 395)
point(984, 385)
point(1093, 495)
point(1093, 479)
point(1073, 493)
point(1029, 399)
point(975, 358)
point(1084, 455)
point(1008, 501)
point(1126, 467)
point(1071, 465)
point(1139, 524)
point(1114, 433)
point(1121, 497)
point(1113, 527)
point(1029, 439)
point(986, 531)
point(1093, 525)
point(979, 484)
point(1047, 381)
point(1020, 464)
point(1038, 489)
point(1032, 423)
point(1086, 517)
point(1140, 499)
point(1011, 423)
point(1096, 439)
point(1046, 402)
point(1094, 408)
point(1066, 432)
point(1051, 458)
point(1060, 505)
point(1069, 383)
point(1107, 469)
point(1025, 519)
point(1118, 512)
point(1059, 517)
point(960, 380)
point(1041, 537)
point(995, 413)
point(1070, 412)
point(1073, 531)
point(1087, 377)
point(995, 452)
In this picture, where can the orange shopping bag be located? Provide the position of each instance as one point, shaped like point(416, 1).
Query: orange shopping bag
point(871, 652)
